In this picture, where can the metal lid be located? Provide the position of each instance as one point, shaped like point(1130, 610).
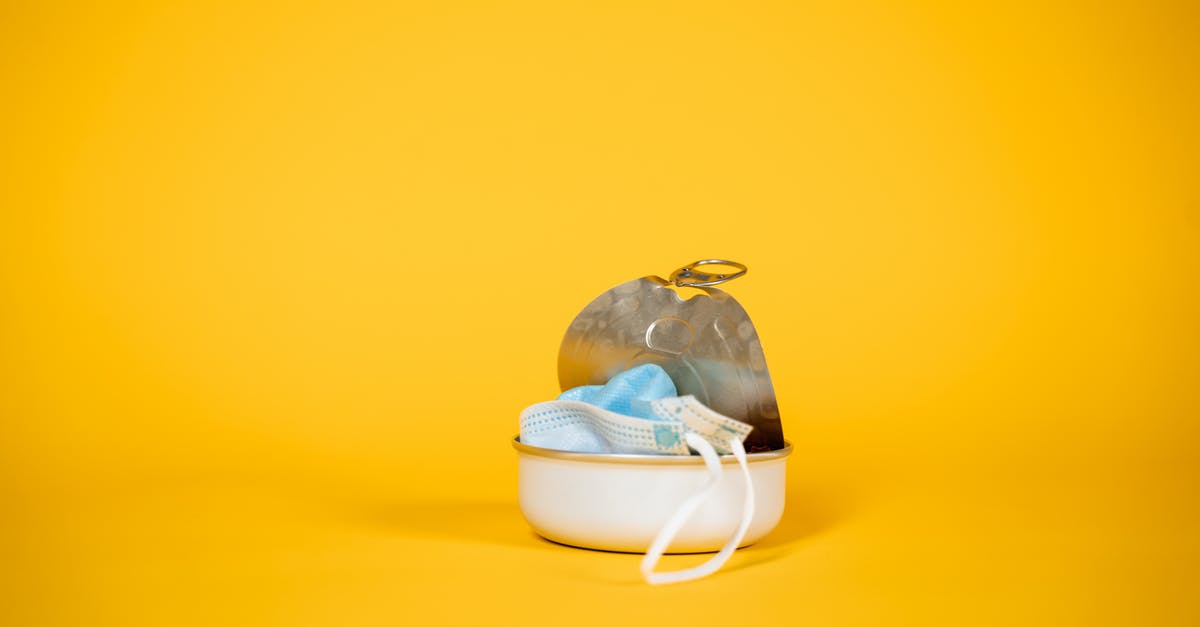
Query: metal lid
point(707, 344)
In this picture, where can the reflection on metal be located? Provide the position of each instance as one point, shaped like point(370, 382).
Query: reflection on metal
point(707, 345)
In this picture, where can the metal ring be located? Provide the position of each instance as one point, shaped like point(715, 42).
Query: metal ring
point(689, 276)
point(637, 458)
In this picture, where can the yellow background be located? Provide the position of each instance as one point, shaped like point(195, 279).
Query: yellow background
point(277, 278)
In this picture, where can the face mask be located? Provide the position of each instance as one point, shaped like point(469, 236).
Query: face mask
point(628, 393)
point(635, 412)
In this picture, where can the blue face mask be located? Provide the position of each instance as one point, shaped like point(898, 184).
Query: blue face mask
point(628, 393)
point(637, 411)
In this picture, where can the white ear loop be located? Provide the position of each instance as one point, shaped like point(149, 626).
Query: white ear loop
point(689, 507)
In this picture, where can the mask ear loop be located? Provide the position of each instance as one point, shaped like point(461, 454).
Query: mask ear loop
point(689, 507)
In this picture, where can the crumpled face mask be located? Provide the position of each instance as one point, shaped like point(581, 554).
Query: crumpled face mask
point(635, 412)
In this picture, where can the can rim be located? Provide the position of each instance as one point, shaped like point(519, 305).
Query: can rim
point(633, 458)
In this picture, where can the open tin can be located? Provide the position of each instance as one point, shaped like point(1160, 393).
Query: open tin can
point(665, 503)
point(618, 502)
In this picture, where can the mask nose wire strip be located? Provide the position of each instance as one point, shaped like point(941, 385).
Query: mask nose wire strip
point(689, 507)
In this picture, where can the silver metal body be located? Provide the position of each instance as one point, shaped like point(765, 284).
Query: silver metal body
point(707, 345)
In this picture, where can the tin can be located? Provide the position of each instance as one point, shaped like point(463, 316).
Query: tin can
point(618, 502)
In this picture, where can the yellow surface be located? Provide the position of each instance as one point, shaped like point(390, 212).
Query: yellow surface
point(276, 279)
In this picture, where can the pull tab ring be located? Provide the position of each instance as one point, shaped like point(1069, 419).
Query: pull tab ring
point(691, 275)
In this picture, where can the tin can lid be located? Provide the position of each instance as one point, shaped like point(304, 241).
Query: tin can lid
point(707, 344)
